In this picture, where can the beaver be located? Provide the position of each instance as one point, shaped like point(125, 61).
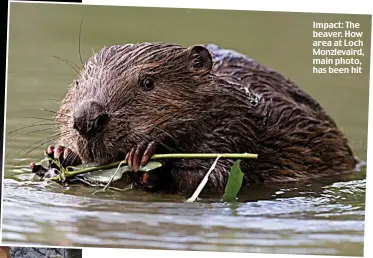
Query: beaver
point(132, 101)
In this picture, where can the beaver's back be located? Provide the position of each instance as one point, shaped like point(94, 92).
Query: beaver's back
point(299, 139)
point(262, 80)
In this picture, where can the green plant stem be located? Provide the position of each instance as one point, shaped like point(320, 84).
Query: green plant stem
point(204, 156)
point(68, 174)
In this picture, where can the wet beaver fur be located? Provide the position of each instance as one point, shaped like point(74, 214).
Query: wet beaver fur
point(135, 100)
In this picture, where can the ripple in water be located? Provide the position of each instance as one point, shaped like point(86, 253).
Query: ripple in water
point(308, 219)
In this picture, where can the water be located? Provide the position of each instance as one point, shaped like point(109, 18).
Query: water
point(317, 218)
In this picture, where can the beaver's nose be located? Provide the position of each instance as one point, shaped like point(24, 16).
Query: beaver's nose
point(90, 119)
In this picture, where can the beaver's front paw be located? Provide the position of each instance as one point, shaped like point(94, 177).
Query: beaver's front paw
point(65, 156)
point(58, 156)
point(140, 155)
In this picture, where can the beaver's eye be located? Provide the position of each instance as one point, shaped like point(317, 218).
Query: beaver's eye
point(147, 84)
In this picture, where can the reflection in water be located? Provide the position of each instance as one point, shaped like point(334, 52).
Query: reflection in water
point(317, 218)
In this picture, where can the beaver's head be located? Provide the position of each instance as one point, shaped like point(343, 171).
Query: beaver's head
point(129, 93)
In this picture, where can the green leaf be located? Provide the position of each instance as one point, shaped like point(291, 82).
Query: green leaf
point(104, 175)
point(234, 182)
point(151, 165)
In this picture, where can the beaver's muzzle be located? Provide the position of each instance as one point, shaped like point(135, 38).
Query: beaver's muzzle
point(90, 119)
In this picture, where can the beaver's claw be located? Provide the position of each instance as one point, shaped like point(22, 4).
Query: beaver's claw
point(140, 155)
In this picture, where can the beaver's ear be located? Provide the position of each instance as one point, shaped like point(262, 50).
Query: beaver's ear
point(199, 58)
